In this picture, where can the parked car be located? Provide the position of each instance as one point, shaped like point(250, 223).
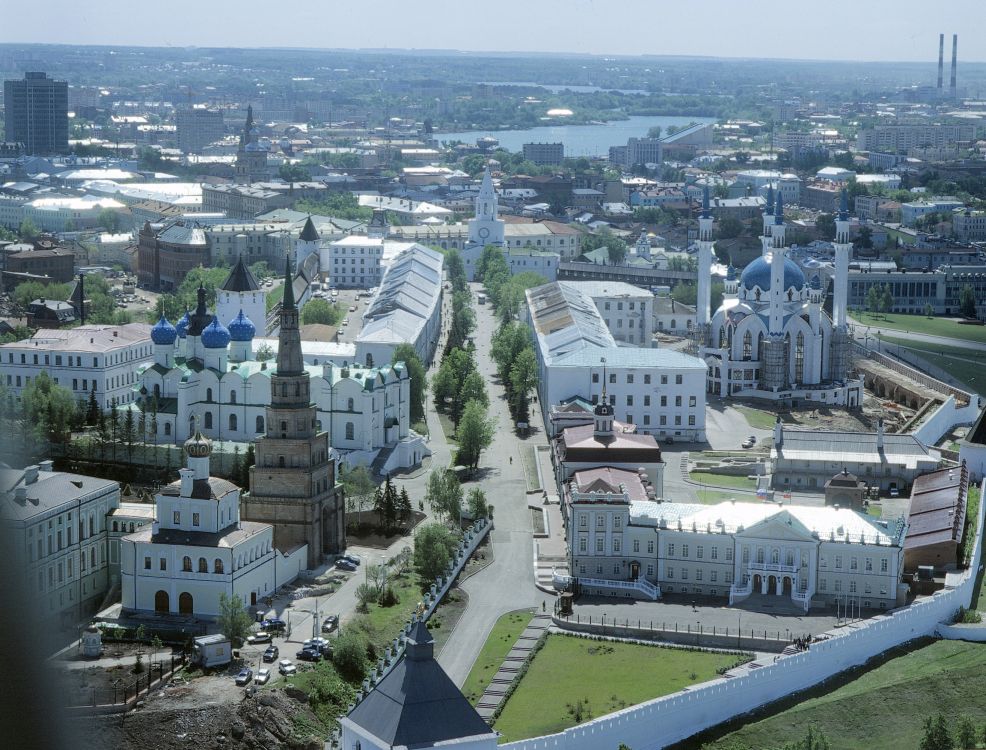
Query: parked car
point(271, 654)
point(321, 644)
point(354, 559)
point(274, 625)
point(894, 491)
point(263, 676)
point(330, 623)
point(244, 677)
point(345, 322)
point(286, 667)
point(260, 637)
point(345, 565)
point(748, 443)
point(308, 654)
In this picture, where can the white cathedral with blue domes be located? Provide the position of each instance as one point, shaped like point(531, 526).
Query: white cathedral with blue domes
point(770, 338)
point(205, 377)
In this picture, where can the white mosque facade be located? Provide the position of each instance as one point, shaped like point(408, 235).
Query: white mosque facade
point(771, 339)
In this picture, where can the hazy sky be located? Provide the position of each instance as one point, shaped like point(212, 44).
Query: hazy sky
point(823, 29)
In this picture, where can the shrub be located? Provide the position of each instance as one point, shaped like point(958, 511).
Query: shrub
point(349, 655)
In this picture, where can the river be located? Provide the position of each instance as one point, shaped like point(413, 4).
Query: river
point(579, 140)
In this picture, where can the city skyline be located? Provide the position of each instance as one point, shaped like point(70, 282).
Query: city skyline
point(846, 32)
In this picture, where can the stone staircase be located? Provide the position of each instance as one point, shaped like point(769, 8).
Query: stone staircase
point(496, 691)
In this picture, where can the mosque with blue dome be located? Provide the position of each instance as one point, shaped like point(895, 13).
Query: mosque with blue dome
point(771, 338)
point(206, 377)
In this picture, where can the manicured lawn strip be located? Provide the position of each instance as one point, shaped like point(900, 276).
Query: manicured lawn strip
point(529, 457)
point(274, 296)
point(757, 418)
point(882, 709)
point(723, 480)
point(921, 324)
point(447, 427)
point(964, 365)
point(498, 644)
point(711, 497)
point(609, 675)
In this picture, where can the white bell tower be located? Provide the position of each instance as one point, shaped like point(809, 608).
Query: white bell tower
point(486, 228)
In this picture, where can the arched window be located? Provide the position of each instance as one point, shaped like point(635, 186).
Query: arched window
point(232, 421)
point(775, 557)
point(722, 337)
point(760, 556)
point(350, 404)
point(185, 603)
point(114, 525)
point(284, 389)
point(280, 461)
point(369, 360)
point(167, 429)
point(208, 394)
point(186, 564)
point(674, 324)
point(217, 566)
point(799, 358)
point(260, 424)
point(350, 431)
point(729, 336)
point(284, 426)
point(207, 420)
point(297, 389)
point(157, 391)
point(203, 565)
point(92, 556)
point(747, 345)
point(131, 527)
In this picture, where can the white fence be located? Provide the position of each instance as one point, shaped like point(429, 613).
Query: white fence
point(664, 721)
point(947, 416)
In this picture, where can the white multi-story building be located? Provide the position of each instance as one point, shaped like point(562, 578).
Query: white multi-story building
point(57, 522)
point(627, 310)
point(810, 556)
point(354, 261)
point(659, 390)
point(759, 180)
point(198, 549)
point(406, 309)
point(103, 358)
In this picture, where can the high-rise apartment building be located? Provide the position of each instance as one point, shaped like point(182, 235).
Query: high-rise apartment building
point(198, 127)
point(36, 111)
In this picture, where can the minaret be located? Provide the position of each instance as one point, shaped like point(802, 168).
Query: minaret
point(293, 482)
point(704, 292)
point(778, 291)
point(768, 219)
point(840, 292)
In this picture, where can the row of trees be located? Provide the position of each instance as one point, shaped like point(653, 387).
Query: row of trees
point(460, 391)
point(506, 292)
point(938, 737)
point(513, 354)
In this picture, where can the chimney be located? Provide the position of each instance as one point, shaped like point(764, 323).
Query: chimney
point(47, 465)
point(30, 474)
point(20, 495)
point(955, 54)
point(941, 60)
point(187, 481)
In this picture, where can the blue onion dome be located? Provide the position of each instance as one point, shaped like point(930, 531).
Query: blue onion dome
point(816, 283)
point(757, 274)
point(182, 326)
point(163, 332)
point(215, 335)
point(241, 328)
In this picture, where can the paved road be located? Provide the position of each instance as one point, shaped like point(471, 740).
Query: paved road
point(508, 582)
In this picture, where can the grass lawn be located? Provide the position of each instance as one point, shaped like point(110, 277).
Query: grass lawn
point(274, 296)
point(723, 480)
point(711, 497)
point(757, 418)
point(922, 324)
point(420, 427)
point(447, 427)
point(498, 644)
point(965, 365)
point(608, 675)
point(529, 458)
point(883, 708)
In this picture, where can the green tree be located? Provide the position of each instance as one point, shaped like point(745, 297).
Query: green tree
point(523, 381)
point(506, 344)
point(476, 503)
point(825, 225)
point(321, 311)
point(967, 302)
point(729, 228)
point(929, 311)
point(328, 694)
point(29, 230)
point(249, 458)
point(814, 739)
point(349, 655)
point(936, 734)
point(444, 496)
point(419, 381)
point(92, 407)
point(886, 299)
point(475, 433)
point(473, 388)
point(874, 299)
point(617, 251)
point(264, 353)
point(434, 545)
point(234, 621)
point(404, 509)
point(109, 219)
point(48, 411)
point(293, 173)
point(358, 486)
point(129, 433)
point(965, 733)
point(865, 238)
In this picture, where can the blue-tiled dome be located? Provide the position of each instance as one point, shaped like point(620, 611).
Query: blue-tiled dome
point(241, 328)
point(215, 335)
point(163, 332)
point(182, 326)
point(757, 274)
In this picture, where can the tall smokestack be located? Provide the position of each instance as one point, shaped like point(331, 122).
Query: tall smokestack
point(941, 60)
point(955, 54)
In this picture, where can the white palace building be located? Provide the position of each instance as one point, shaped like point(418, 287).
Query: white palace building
point(770, 338)
point(205, 375)
point(622, 541)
